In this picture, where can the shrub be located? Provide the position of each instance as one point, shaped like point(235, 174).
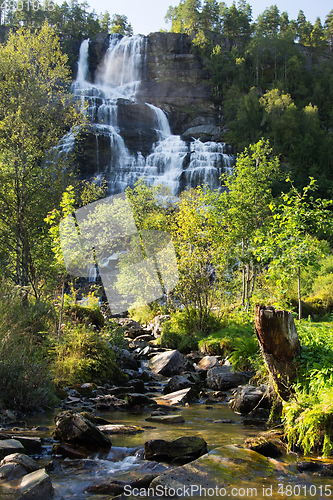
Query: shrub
point(84, 356)
point(179, 331)
point(25, 385)
point(86, 315)
point(114, 334)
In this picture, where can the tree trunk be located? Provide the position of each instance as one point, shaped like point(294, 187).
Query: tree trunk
point(279, 345)
point(61, 309)
point(299, 295)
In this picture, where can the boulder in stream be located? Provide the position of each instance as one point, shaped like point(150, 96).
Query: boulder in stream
point(160, 450)
point(222, 378)
point(179, 397)
point(269, 446)
point(225, 468)
point(76, 429)
point(28, 463)
point(36, 486)
point(9, 446)
point(177, 383)
point(208, 362)
point(249, 397)
point(167, 363)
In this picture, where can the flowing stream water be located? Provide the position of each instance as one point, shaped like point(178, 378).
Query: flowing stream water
point(172, 161)
point(124, 459)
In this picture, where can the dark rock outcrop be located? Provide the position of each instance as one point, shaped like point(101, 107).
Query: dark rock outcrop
point(161, 450)
point(75, 429)
point(223, 378)
point(177, 383)
point(249, 397)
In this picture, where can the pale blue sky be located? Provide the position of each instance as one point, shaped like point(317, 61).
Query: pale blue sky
point(148, 15)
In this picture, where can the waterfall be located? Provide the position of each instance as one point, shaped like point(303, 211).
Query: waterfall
point(82, 69)
point(134, 139)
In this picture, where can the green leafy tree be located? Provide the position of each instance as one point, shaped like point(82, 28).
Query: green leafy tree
point(195, 238)
point(35, 112)
point(290, 245)
point(329, 28)
point(304, 29)
point(317, 34)
point(105, 22)
point(245, 208)
point(119, 24)
point(210, 16)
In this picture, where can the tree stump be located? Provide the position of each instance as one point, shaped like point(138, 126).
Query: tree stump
point(279, 345)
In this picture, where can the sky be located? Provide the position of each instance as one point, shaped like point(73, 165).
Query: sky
point(147, 16)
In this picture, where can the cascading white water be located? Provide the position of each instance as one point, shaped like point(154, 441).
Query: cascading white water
point(171, 160)
point(82, 69)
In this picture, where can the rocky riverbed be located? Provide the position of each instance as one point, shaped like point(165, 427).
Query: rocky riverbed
point(169, 426)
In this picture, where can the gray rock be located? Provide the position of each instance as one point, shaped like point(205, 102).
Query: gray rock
point(31, 444)
point(179, 397)
point(167, 363)
point(36, 486)
point(202, 131)
point(177, 383)
point(74, 428)
point(248, 397)
point(125, 359)
point(224, 467)
point(266, 446)
point(222, 378)
point(161, 450)
point(28, 463)
point(166, 419)
point(9, 446)
point(208, 362)
point(12, 471)
point(135, 398)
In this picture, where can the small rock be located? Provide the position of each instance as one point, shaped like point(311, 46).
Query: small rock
point(223, 378)
point(113, 488)
point(269, 447)
point(134, 399)
point(120, 429)
point(249, 397)
point(12, 471)
point(224, 421)
point(308, 466)
point(166, 419)
point(67, 451)
point(74, 428)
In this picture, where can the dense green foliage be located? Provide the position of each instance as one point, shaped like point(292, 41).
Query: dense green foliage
point(272, 78)
point(309, 415)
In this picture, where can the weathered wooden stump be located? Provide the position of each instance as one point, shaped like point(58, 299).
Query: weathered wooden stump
point(279, 345)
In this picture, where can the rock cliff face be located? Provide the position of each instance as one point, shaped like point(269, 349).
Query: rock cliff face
point(173, 79)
